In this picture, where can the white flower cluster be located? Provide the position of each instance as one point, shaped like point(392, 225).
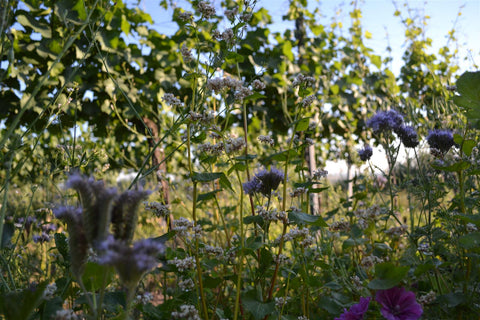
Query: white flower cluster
point(471, 227)
point(181, 226)
point(185, 16)
point(143, 298)
point(370, 214)
point(187, 312)
point(281, 301)
point(218, 84)
point(65, 315)
point(234, 144)
point(242, 93)
point(425, 249)
point(266, 139)
point(307, 101)
point(319, 173)
point(340, 226)
point(171, 100)
point(428, 298)
point(160, 210)
point(396, 232)
point(186, 285)
point(271, 215)
point(357, 283)
point(282, 259)
point(370, 261)
point(206, 9)
point(183, 264)
point(294, 234)
point(205, 117)
point(306, 80)
point(186, 53)
point(258, 85)
point(230, 14)
point(216, 251)
point(298, 192)
point(50, 290)
point(302, 318)
point(213, 149)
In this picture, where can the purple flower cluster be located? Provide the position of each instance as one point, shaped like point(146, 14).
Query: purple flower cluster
point(357, 311)
point(264, 182)
point(441, 140)
point(391, 120)
point(384, 121)
point(130, 262)
point(365, 153)
point(396, 303)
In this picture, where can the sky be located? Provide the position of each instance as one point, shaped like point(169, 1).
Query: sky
point(386, 29)
point(377, 18)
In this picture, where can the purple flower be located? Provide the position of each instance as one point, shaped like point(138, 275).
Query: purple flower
point(440, 139)
point(398, 304)
point(408, 135)
point(264, 182)
point(356, 311)
point(130, 262)
point(385, 121)
point(365, 153)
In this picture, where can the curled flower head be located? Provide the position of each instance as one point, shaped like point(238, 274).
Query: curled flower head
point(441, 140)
point(365, 153)
point(384, 121)
point(408, 136)
point(357, 311)
point(264, 182)
point(398, 304)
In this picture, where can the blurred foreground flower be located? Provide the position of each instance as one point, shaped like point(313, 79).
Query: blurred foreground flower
point(365, 153)
point(357, 311)
point(441, 140)
point(399, 304)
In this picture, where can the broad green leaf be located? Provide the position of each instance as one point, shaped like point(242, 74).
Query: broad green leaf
point(206, 176)
point(62, 246)
point(96, 275)
point(302, 124)
point(258, 309)
point(207, 196)
point(467, 145)
point(233, 57)
point(304, 218)
point(27, 21)
point(253, 219)
point(470, 241)
point(18, 305)
point(387, 275)
point(287, 50)
point(456, 167)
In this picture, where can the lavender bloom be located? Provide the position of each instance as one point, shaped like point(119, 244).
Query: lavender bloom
point(398, 304)
point(385, 121)
point(357, 311)
point(409, 136)
point(264, 182)
point(130, 262)
point(440, 139)
point(365, 153)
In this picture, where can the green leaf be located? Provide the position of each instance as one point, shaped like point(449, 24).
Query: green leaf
point(468, 87)
point(282, 156)
point(27, 21)
point(467, 145)
point(304, 218)
point(470, 241)
point(96, 275)
point(18, 305)
point(225, 183)
point(62, 246)
point(208, 195)
point(253, 219)
point(165, 237)
point(302, 124)
point(456, 167)
point(258, 309)
point(7, 234)
point(233, 57)
point(206, 176)
point(376, 60)
point(287, 50)
point(387, 275)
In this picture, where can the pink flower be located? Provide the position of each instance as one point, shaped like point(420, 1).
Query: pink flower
point(356, 311)
point(398, 304)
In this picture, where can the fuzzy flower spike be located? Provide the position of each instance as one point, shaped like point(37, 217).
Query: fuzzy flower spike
point(399, 304)
point(384, 121)
point(441, 140)
point(131, 262)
